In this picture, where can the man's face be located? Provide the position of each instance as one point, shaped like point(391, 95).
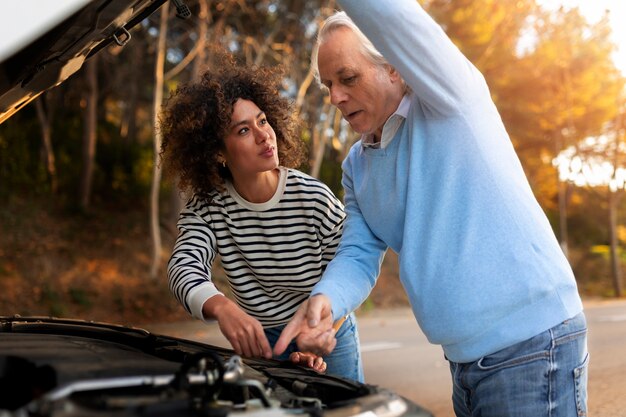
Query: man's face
point(365, 93)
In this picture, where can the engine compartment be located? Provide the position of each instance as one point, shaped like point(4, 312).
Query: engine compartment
point(57, 368)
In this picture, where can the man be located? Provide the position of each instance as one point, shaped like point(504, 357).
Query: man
point(435, 178)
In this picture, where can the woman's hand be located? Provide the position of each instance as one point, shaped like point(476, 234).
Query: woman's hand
point(309, 360)
point(244, 332)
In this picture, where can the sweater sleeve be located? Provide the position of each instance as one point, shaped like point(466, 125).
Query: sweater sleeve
point(410, 40)
point(331, 226)
point(351, 275)
point(189, 267)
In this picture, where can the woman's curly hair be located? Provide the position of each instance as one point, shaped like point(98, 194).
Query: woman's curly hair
point(196, 118)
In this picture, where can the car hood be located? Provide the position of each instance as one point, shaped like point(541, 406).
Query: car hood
point(43, 42)
point(61, 367)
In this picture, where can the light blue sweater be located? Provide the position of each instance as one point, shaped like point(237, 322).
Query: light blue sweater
point(478, 258)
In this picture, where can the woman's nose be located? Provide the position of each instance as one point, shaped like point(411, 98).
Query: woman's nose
point(262, 135)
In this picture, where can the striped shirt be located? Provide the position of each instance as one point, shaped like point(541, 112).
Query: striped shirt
point(273, 253)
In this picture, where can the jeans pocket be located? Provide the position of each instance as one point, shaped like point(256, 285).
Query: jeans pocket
point(580, 384)
point(488, 363)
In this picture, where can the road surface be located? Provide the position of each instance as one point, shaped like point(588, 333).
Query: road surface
point(396, 355)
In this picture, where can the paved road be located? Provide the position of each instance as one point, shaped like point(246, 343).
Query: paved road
point(396, 355)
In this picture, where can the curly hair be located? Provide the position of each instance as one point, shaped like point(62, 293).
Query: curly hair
point(196, 118)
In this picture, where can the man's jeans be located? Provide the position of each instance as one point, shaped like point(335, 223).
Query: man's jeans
point(543, 376)
point(343, 361)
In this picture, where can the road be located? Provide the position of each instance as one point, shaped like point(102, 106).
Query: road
point(396, 355)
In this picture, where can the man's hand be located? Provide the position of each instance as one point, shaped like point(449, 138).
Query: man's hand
point(311, 326)
point(244, 332)
point(309, 360)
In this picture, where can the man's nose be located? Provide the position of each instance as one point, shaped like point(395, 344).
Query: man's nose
point(337, 95)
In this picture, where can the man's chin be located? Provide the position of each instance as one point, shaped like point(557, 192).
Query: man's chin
point(358, 128)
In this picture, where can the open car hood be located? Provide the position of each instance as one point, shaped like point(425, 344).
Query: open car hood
point(59, 367)
point(43, 42)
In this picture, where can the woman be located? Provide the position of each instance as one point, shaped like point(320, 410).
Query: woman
point(230, 139)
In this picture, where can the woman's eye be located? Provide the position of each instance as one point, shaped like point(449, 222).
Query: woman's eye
point(263, 121)
point(243, 130)
point(349, 80)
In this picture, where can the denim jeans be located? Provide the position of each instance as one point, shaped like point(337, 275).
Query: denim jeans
point(343, 361)
point(542, 376)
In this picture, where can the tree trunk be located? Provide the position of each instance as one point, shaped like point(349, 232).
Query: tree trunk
point(562, 195)
point(89, 132)
point(319, 146)
point(156, 170)
point(45, 121)
point(616, 270)
point(178, 199)
point(128, 125)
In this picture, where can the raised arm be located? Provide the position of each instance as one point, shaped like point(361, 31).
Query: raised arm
point(410, 40)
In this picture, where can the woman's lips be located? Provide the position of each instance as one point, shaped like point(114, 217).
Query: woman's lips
point(268, 152)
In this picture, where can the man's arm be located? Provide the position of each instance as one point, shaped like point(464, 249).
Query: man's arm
point(351, 275)
point(347, 281)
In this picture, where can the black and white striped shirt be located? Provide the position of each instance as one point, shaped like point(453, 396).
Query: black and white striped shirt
point(273, 253)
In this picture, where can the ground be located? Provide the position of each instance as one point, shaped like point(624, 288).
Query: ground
point(95, 266)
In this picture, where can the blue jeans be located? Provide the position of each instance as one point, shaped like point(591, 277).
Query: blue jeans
point(343, 361)
point(542, 376)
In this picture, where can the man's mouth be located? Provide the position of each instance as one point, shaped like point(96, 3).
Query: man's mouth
point(352, 115)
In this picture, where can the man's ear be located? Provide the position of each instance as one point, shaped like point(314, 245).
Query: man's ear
point(394, 75)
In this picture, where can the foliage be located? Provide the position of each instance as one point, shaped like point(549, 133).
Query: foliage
point(550, 74)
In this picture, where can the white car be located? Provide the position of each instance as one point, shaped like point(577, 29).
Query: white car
point(64, 368)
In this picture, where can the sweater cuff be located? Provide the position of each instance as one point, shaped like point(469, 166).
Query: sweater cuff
point(337, 307)
point(198, 296)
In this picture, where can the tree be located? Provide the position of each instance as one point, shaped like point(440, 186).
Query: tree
point(156, 171)
point(44, 114)
point(90, 127)
point(565, 100)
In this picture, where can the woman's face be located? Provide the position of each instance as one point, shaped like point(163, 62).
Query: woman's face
point(250, 144)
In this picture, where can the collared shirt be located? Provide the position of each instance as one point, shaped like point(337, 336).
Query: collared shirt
point(390, 127)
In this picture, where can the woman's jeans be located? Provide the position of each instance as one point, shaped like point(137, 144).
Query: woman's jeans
point(343, 361)
point(542, 376)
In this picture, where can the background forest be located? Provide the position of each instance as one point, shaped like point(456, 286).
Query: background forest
point(87, 222)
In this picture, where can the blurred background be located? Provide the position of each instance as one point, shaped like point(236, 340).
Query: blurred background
point(87, 220)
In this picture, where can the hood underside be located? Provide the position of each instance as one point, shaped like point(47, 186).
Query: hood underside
point(52, 56)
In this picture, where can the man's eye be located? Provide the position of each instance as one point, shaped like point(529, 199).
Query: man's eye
point(349, 80)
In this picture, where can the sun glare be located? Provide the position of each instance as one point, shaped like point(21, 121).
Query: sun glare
point(593, 11)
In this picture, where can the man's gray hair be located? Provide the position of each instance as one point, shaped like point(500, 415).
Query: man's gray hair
point(334, 22)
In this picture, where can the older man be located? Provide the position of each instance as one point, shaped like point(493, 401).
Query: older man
point(435, 178)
